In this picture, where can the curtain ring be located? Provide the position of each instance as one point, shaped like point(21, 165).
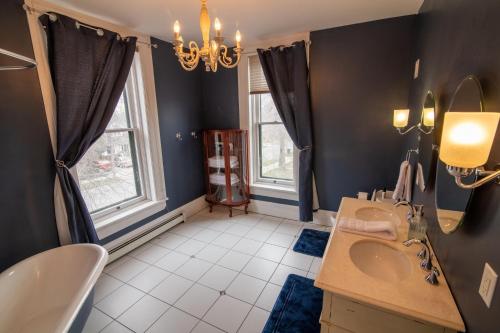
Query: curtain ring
point(60, 164)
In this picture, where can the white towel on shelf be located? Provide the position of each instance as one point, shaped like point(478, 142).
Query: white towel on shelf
point(219, 178)
point(403, 186)
point(419, 178)
point(378, 229)
point(219, 161)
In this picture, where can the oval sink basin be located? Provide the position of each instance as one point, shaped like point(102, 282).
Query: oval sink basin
point(45, 292)
point(380, 261)
point(376, 214)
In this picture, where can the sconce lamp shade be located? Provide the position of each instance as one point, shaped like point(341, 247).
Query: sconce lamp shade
point(401, 118)
point(428, 117)
point(467, 138)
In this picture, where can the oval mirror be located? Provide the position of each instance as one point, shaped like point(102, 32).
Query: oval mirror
point(451, 200)
point(427, 144)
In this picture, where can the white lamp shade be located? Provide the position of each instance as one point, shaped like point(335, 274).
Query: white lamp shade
point(428, 117)
point(400, 119)
point(467, 138)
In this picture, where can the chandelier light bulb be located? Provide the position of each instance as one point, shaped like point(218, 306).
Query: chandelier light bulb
point(177, 27)
point(217, 24)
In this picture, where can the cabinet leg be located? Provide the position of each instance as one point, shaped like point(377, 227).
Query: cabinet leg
point(211, 208)
point(230, 211)
point(246, 209)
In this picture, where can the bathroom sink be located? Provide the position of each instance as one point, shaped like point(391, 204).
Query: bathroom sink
point(376, 214)
point(380, 261)
point(45, 292)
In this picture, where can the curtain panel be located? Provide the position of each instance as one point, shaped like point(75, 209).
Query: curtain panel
point(287, 76)
point(89, 71)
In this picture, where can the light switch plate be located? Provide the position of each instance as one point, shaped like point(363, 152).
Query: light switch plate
point(488, 284)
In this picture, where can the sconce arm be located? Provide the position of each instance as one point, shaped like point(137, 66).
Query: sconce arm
point(488, 176)
point(421, 129)
point(408, 130)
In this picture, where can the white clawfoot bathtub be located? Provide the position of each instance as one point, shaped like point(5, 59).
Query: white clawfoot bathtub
point(45, 292)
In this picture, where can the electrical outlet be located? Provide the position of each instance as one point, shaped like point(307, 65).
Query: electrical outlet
point(488, 284)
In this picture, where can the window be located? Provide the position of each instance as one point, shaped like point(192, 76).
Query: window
point(118, 175)
point(273, 151)
point(110, 174)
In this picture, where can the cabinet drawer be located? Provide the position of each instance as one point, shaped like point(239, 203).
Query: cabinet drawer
point(364, 319)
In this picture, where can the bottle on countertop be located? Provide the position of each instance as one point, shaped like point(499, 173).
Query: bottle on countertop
point(418, 224)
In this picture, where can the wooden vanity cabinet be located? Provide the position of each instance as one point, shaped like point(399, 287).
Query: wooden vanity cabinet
point(341, 315)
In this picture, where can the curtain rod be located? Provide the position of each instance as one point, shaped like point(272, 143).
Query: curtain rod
point(99, 31)
point(307, 42)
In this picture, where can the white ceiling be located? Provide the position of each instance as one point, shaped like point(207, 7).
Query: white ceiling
point(256, 19)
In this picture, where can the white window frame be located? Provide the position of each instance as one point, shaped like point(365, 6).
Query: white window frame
point(256, 156)
point(282, 191)
point(154, 200)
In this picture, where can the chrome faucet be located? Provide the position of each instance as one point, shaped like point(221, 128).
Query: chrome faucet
point(426, 256)
point(411, 212)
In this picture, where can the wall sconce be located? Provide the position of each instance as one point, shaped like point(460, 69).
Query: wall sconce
point(466, 144)
point(400, 121)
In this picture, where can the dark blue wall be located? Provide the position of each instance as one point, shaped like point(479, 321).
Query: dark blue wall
point(220, 99)
point(359, 74)
point(27, 223)
point(457, 38)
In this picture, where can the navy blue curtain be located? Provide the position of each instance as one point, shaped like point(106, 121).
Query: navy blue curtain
point(287, 76)
point(89, 71)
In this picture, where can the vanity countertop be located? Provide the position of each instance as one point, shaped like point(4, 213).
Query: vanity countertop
point(412, 297)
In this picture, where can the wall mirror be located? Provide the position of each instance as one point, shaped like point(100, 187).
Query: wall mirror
point(451, 200)
point(427, 144)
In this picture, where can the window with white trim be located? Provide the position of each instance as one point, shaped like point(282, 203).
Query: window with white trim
point(115, 175)
point(274, 155)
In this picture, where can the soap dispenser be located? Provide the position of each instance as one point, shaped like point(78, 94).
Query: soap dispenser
point(418, 224)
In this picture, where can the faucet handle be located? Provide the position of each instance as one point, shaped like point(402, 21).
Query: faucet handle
point(423, 253)
point(432, 278)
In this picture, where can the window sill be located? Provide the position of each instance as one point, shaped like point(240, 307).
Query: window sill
point(113, 223)
point(274, 191)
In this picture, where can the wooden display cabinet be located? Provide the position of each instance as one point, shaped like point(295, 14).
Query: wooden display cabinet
point(226, 168)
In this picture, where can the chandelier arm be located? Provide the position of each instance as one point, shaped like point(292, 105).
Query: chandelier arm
point(227, 61)
point(189, 60)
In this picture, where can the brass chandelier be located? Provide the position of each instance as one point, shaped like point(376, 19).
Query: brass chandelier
point(212, 52)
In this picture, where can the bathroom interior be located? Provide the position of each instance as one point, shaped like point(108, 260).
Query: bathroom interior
point(256, 166)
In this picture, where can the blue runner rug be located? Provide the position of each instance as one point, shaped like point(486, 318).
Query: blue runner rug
point(312, 242)
point(297, 309)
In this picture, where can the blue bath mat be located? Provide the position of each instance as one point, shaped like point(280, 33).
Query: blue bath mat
point(312, 242)
point(297, 309)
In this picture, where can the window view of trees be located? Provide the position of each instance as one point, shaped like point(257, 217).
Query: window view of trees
point(108, 173)
point(276, 147)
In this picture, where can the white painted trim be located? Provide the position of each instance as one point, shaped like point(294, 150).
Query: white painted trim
point(111, 224)
point(189, 209)
point(273, 209)
point(274, 192)
point(321, 217)
point(144, 239)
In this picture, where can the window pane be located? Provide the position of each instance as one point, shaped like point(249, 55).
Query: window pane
point(276, 152)
point(268, 112)
point(120, 118)
point(109, 173)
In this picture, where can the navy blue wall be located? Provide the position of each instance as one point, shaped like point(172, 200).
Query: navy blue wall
point(359, 74)
point(220, 99)
point(27, 223)
point(457, 38)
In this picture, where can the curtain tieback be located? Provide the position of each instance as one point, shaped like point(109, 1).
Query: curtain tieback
point(305, 148)
point(60, 164)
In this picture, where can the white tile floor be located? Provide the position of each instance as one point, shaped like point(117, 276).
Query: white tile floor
point(211, 274)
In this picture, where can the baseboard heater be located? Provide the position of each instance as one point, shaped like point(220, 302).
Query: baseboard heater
point(143, 237)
